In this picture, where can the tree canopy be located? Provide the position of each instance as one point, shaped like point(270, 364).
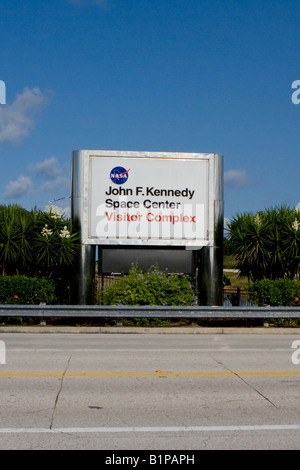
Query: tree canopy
point(267, 244)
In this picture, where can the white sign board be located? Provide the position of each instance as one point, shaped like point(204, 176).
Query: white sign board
point(135, 198)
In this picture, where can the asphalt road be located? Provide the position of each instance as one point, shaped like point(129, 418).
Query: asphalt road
point(163, 392)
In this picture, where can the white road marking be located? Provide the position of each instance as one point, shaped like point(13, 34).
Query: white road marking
point(82, 350)
point(167, 429)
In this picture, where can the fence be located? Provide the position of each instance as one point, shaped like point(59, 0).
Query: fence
point(235, 296)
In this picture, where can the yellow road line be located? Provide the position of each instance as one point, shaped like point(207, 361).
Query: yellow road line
point(157, 373)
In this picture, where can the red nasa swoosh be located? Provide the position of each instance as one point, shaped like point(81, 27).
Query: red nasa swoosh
point(124, 173)
point(121, 175)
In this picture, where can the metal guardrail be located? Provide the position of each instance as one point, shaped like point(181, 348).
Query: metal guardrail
point(124, 311)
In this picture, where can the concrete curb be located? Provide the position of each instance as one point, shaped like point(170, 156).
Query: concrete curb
point(146, 330)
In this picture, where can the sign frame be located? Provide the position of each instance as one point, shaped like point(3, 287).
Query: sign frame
point(82, 196)
point(208, 253)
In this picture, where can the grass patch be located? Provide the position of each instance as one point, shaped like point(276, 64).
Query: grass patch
point(229, 262)
point(236, 280)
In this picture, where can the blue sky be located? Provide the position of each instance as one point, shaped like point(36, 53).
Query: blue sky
point(156, 75)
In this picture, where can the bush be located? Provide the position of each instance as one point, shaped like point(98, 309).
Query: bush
point(280, 292)
point(153, 287)
point(26, 290)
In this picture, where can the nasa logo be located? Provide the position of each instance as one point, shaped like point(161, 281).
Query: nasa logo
point(119, 175)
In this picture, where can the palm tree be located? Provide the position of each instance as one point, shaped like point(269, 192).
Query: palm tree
point(247, 238)
point(291, 243)
point(267, 244)
point(15, 248)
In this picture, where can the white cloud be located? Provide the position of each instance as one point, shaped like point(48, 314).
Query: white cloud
point(48, 168)
point(18, 119)
point(235, 179)
point(46, 176)
point(60, 183)
point(18, 188)
point(52, 177)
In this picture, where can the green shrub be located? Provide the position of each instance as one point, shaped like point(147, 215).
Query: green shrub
point(280, 292)
point(26, 290)
point(153, 287)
